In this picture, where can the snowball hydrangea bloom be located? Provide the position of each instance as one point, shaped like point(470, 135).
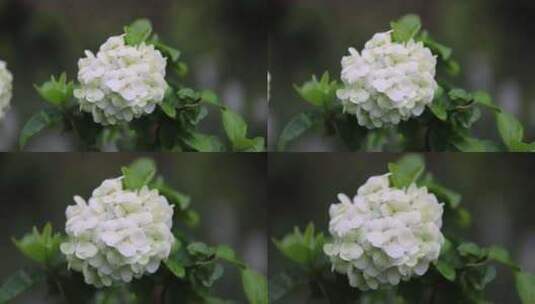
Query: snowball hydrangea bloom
point(388, 82)
point(384, 234)
point(6, 88)
point(121, 82)
point(118, 234)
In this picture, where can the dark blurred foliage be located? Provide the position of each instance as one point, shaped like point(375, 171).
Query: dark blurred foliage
point(226, 189)
point(492, 39)
point(224, 43)
point(496, 188)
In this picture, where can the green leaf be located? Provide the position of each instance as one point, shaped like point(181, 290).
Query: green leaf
point(453, 68)
point(471, 144)
point(139, 173)
point(319, 93)
point(191, 218)
point(439, 106)
point(41, 247)
point(255, 286)
point(139, 31)
point(236, 130)
point(19, 282)
point(525, 285)
point(213, 275)
point(210, 97)
point(452, 198)
point(296, 127)
point(181, 69)
point(443, 51)
point(176, 268)
point(175, 197)
point(204, 143)
point(234, 125)
point(463, 218)
point(511, 130)
point(174, 262)
point(38, 122)
point(56, 92)
point(199, 248)
point(406, 171)
point(293, 247)
point(484, 276)
point(460, 94)
point(484, 99)
point(256, 144)
point(446, 270)
point(169, 52)
point(501, 255)
point(188, 94)
point(470, 249)
point(302, 248)
point(465, 119)
point(405, 28)
point(227, 254)
point(169, 103)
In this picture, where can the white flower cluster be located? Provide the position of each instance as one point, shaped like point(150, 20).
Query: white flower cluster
point(6, 88)
point(388, 82)
point(385, 234)
point(121, 82)
point(118, 234)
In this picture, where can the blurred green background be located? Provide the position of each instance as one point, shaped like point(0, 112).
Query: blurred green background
point(224, 43)
point(492, 40)
point(497, 190)
point(229, 192)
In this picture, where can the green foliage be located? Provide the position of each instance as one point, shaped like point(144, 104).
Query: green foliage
point(450, 197)
point(297, 126)
point(174, 263)
point(39, 121)
point(406, 171)
point(180, 200)
point(140, 173)
point(512, 133)
point(137, 32)
point(501, 255)
point(406, 28)
point(303, 248)
point(227, 254)
point(443, 51)
point(56, 91)
point(205, 143)
point(19, 282)
point(320, 93)
point(525, 283)
point(462, 273)
point(189, 274)
point(234, 125)
point(168, 51)
point(255, 286)
point(175, 125)
point(41, 247)
point(445, 125)
point(236, 130)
